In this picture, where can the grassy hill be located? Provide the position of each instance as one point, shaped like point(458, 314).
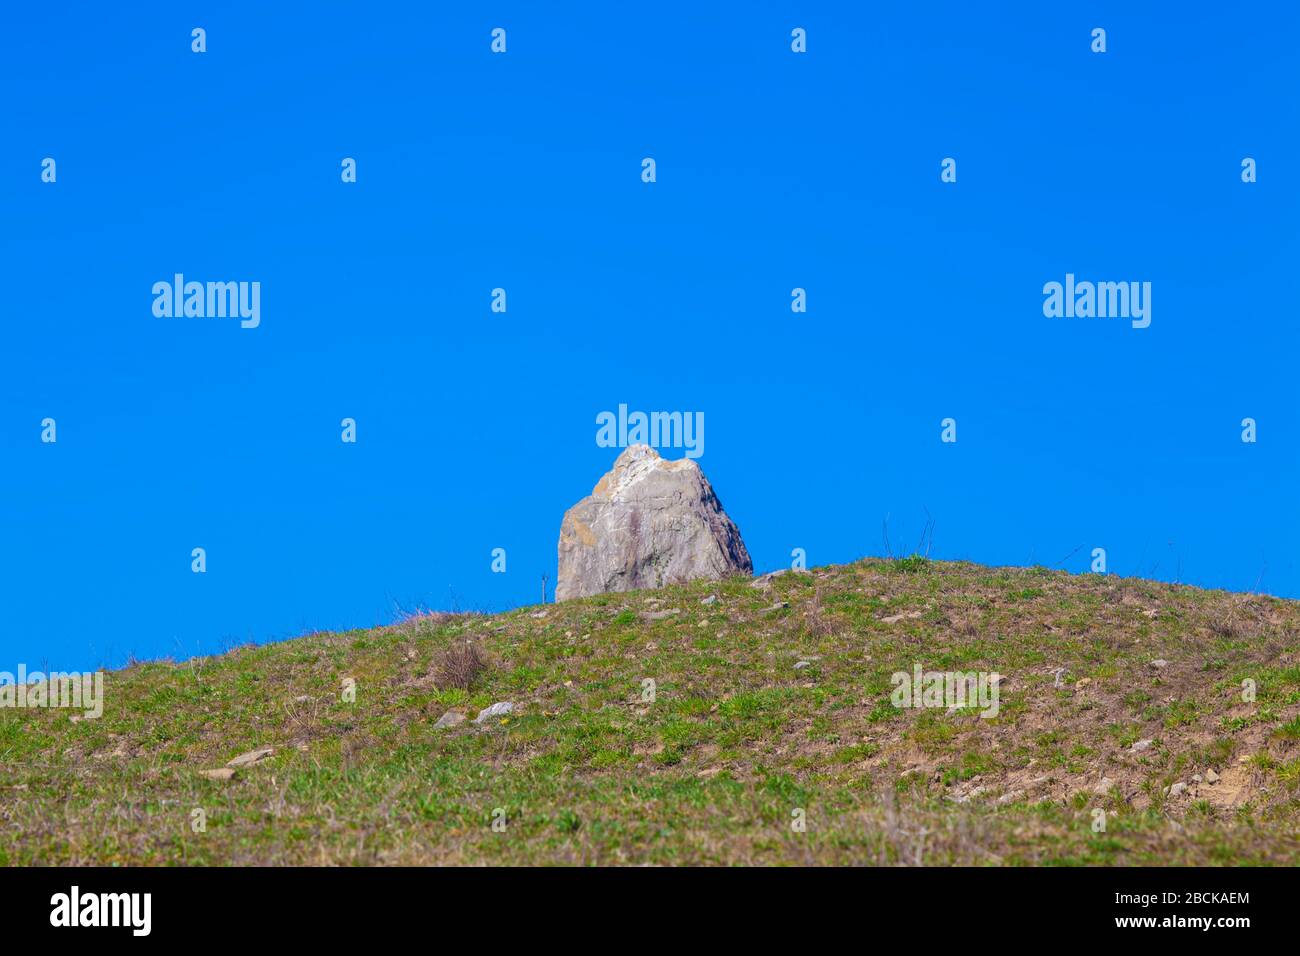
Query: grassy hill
point(736, 740)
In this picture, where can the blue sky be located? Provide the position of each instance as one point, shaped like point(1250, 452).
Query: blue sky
point(775, 170)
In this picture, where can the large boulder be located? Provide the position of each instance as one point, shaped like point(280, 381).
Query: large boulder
point(647, 523)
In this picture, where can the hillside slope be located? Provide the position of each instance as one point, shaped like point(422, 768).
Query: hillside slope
point(737, 746)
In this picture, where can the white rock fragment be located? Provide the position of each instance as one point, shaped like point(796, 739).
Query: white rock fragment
point(499, 709)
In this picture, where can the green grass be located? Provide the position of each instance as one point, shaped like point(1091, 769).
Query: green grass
point(734, 745)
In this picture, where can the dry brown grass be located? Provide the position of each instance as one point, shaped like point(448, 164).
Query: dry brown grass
point(819, 624)
point(459, 666)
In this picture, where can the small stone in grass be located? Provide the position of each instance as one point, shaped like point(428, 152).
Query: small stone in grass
point(659, 615)
point(450, 719)
point(499, 709)
point(901, 615)
point(252, 757)
point(221, 773)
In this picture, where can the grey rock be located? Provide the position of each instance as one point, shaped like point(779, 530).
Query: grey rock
point(1211, 776)
point(221, 773)
point(499, 709)
point(802, 664)
point(711, 599)
point(647, 523)
point(1178, 789)
point(1159, 663)
point(1141, 745)
point(450, 719)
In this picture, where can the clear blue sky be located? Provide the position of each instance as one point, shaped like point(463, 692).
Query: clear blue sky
point(775, 170)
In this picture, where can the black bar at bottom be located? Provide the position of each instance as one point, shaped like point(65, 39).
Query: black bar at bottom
point(333, 906)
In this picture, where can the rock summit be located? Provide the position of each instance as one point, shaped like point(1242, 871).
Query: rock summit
point(647, 523)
